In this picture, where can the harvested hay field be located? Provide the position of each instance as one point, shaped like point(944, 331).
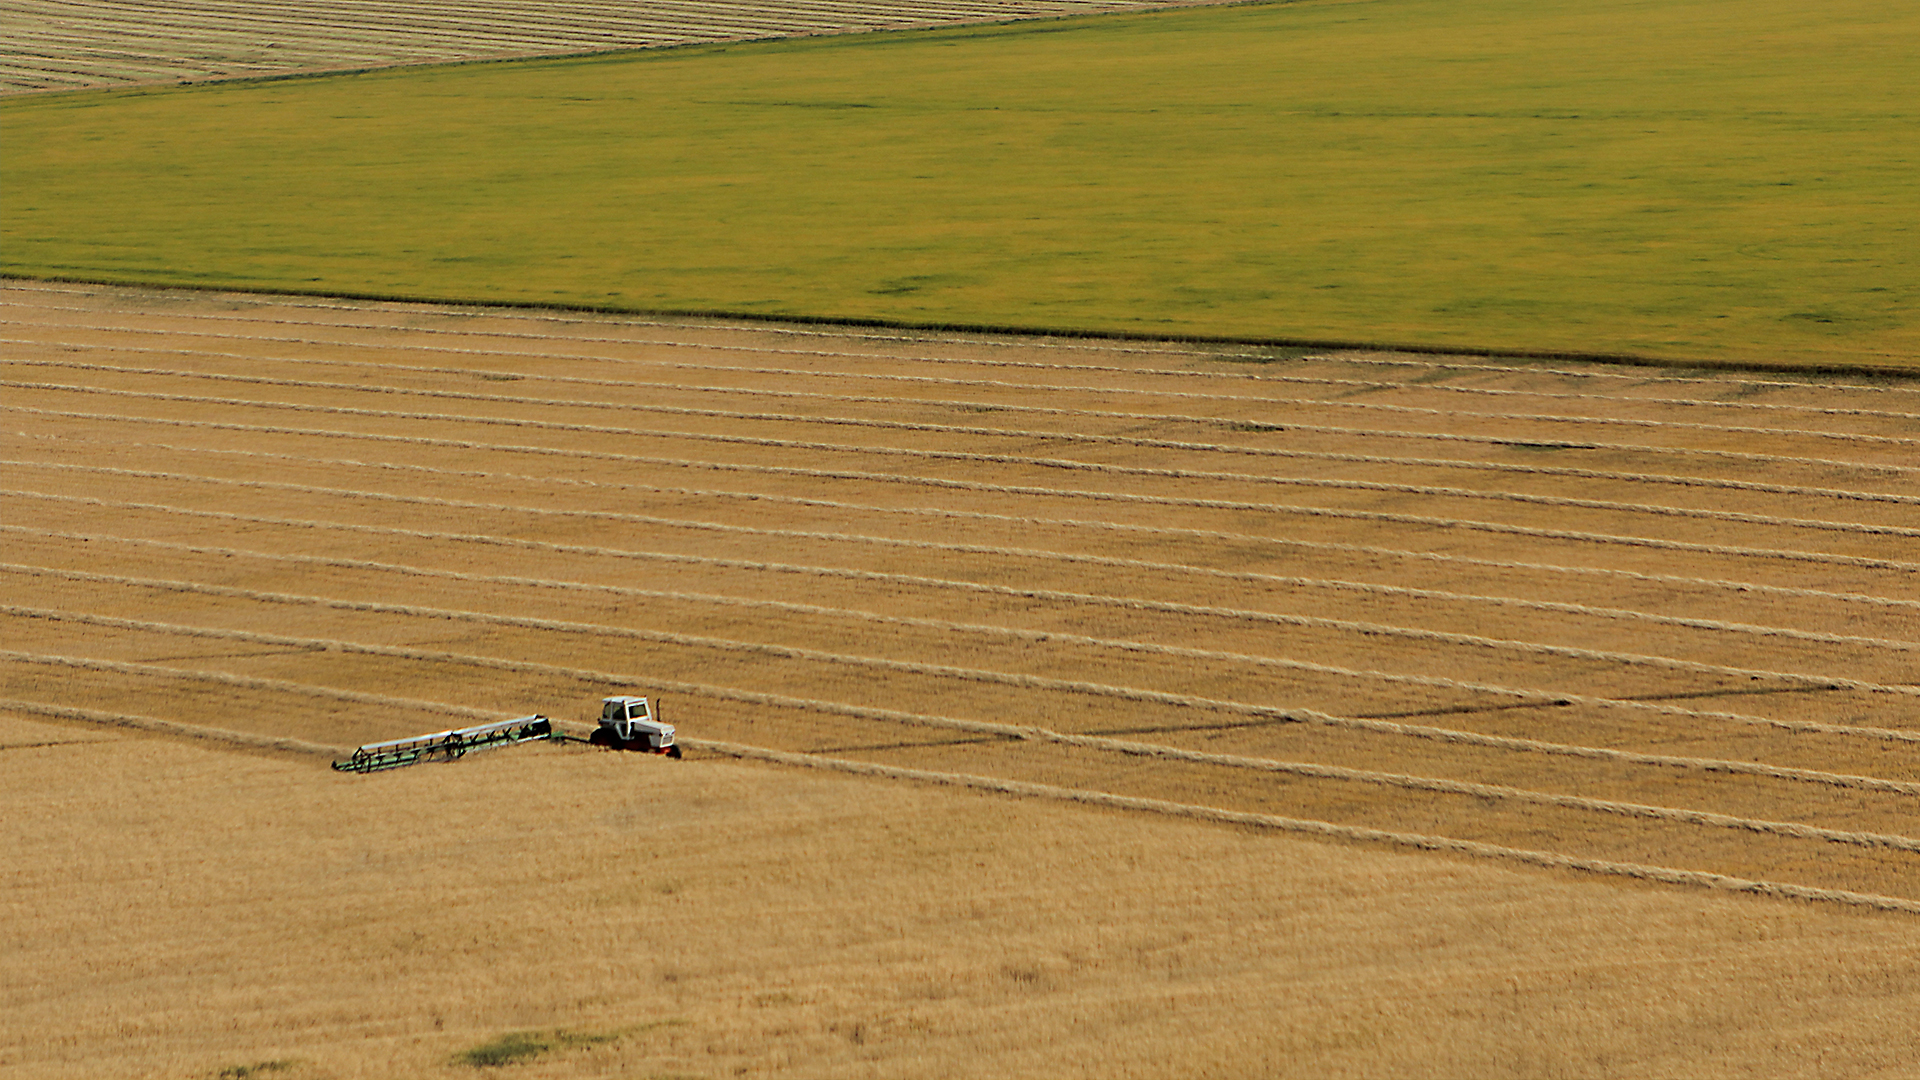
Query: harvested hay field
point(1655, 627)
point(707, 918)
point(71, 44)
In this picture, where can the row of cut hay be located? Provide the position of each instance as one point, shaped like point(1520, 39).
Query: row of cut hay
point(1357, 626)
point(976, 458)
point(1333, 512)
point(653, 406)
point(1223, 352)
point(976, 675)
point(1021, 732)
point(1236, 538)
point(1425, 842)
point(1317, 583)
point(1545, 695)
point(1557, 419)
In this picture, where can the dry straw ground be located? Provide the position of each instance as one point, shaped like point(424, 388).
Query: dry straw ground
point(1656, 626)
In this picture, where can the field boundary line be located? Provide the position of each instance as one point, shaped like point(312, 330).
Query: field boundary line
point(1545, 697)
point(1462, 464)
point(752, 318)
point(1349, 625)
point(908, 479)
point(1324, 829)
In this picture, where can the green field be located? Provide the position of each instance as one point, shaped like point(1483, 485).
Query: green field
point(1714, 179)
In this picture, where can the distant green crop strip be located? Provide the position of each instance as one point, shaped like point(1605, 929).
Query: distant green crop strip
point(1714, 179)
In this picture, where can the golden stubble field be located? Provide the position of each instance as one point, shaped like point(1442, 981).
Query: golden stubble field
point(1653, 624)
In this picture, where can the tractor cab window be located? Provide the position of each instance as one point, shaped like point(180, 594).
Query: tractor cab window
point(637, 710)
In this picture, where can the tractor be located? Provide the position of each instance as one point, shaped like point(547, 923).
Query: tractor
point(627, 723)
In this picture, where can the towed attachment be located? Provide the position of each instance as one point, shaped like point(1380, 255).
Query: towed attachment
point(447, 745)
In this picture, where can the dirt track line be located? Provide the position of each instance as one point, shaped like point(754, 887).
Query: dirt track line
point(1424, 842)
point(1817, 410)
point(1033, 490)
point(1356, 626)
point(1065, 464)
point(965, 674)
point(1333, 356)
point(1718, 583)
point(1544, 696)
point(1398, 780)
point(171, 727)
point(1562, 607)
point(1551, 418)
point(1012, 433)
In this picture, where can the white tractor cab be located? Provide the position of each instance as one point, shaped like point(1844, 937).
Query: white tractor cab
point(626, 723)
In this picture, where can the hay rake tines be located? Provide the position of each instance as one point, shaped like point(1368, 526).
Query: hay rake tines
point(445, 745)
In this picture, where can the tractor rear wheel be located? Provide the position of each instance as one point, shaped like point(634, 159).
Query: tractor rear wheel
point(602, 737)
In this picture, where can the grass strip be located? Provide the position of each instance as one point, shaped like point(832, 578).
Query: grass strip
point(1701, 179)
